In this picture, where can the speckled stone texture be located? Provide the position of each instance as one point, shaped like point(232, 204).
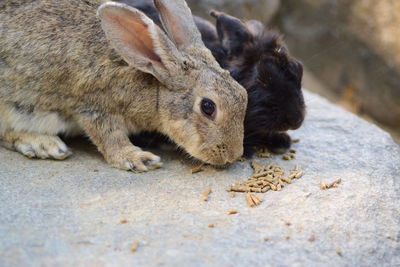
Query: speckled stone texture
point(68, 213)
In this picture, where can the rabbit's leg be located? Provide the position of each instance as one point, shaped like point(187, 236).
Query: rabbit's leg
point(35, 145)
point(111, 138)
point(33, 133)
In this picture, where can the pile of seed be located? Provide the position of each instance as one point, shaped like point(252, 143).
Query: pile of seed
point(265, 178)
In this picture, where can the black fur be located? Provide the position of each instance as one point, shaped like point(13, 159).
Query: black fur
point(259, 60)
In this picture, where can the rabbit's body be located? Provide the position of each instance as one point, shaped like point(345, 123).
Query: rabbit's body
point(58, 74)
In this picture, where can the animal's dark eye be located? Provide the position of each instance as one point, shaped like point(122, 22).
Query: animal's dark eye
point(208, 107)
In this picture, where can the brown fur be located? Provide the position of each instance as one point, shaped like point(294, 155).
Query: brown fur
point(57, 59)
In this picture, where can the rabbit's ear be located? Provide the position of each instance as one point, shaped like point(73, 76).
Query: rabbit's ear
point(255, 27)
point(140, 42)
point(178, 22)
point(232, 32)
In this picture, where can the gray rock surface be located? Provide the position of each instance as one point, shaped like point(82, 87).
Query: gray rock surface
point(68, 213)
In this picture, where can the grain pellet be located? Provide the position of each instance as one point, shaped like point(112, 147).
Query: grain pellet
point(264, 155)
point(155, 166)
point(298, 175)
point(322, 185)
point(265, 189)
point(257, 167)
point(206, 193)
point(257, 199)
point(334, 183)
point(197, 169)
point(256, 190)
point(230, 212)
point(134, 246)
point(249, 201)
point(242, 189)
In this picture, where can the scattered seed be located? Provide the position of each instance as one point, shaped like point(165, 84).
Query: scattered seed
point(134, 246)
point(287, 237)
point(197, 169)
point(206, 193)
point(253, 200)
point(249, 200)
point(242, 159)
point(266, 238)
point(232, 195)
point(230, 212)
point(211, 225)
point(292, 150)
point(311, 238)
point(339, 252)
point(298, 174)
point(296, 140)
point(257, 199)
point(123, 221)
point(286, 157)
point(288, 223)
point(334, 184)
point(322, 185)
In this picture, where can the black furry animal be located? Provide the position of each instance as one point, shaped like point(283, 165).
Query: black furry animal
point(259, 60)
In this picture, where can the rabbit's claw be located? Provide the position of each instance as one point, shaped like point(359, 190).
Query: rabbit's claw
point(38, 146)
point(136, 160)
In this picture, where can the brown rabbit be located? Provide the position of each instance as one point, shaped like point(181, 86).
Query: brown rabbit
point(59, 74)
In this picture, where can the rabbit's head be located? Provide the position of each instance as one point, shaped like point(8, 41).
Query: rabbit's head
point(201, 107)
point(259, 60)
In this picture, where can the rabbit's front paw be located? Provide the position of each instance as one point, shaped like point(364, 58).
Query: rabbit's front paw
point(134, 159)
point(37, 146)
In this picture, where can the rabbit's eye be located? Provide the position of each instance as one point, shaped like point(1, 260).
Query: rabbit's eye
point(208, 107)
